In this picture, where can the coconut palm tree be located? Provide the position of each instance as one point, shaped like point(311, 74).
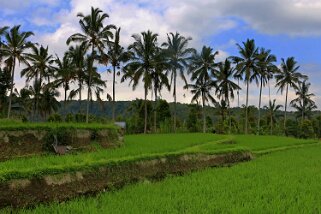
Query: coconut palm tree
point(77, 55)
point(203, 65)
point(288, 76)
point(202, 90)
point(116, 55)
point(48, 102)
point(141, 66)
point(178, 55)
point(159, 78)
point(15, 49)
point(39, 68)
point(271, 109)
point(65, 74)
point(2, 31)
point(265, 70)
point(225, 87)
point(246, 66)
point(303, 102)
point(94, 36)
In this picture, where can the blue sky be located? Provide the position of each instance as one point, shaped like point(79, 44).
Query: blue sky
point(287, 27)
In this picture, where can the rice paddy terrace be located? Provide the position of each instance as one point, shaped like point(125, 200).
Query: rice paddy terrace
point(276, 174)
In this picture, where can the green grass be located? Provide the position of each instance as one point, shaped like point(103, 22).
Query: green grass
point(141, 147)
point(17, 125)
point(135, 147)
point(281, 182)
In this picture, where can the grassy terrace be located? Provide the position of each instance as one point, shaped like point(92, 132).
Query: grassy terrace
point(15, 125)
point(143, 147)
point(281, 182)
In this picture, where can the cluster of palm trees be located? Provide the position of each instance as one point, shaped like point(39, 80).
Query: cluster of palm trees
point(156, 66)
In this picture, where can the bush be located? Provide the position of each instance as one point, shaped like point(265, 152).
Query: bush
point(55, 118)
point(306, 129)
point(69, 118)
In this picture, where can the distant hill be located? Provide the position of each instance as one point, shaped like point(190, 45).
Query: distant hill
point(105, 109)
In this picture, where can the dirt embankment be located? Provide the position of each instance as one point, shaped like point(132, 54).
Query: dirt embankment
point(60, 187)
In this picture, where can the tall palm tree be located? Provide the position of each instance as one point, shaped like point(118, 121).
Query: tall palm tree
point(246, 66)
point(178, 55)
point(159, 78)
point(203, 65)
point(116, 55)
point(288, 76)
point(94, 36)
point(39, 67)
point(303, 102)
point(225, 86)
point(65, 74)
point(265, 69)
point(77, 55)
point(201, 89)
point(15, 49)
point(141, 66)
point(271, 109)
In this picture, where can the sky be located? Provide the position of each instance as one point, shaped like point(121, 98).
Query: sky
point(287, 27)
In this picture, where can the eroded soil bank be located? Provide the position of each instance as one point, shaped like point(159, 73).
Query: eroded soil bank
point(17, 143)
point(60, 187)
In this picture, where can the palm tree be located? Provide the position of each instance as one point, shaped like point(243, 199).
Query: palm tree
point(203, 65)
point(65, 74)
point(77, 56)
point(272, 109)
point(265, 70)
point(178, 55)
point(159, 78)
point(2, 31)
point(143, 51)
point(48, 102)
point(116, 55)
point(202, 90)
point(246, 66)
point(94, 36)
point(303, 103)
point(15, 49)
point(40, 67)
point(225, 86)
point(288, 76)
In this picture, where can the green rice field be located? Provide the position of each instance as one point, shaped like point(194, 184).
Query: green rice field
point(283, 178)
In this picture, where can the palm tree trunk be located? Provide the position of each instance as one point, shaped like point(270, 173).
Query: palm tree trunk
point(238, 93)
point(11, 86)
point(286, 102)
point(260, 98)
point(175, 103)
point(114, 81)
point(80, 87)
point(246, 106)
point(89, 82)
point(155, 113)
point(204, 119)
point(229, 114)
point(145, 117)
point(271, 118)
point(65, 98)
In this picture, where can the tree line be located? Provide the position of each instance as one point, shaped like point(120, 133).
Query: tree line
point(157, 66)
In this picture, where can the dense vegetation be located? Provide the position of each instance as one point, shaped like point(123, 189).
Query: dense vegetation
point(282, 182)
point(158, 67)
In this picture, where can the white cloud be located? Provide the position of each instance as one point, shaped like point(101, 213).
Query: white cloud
point(197, 18)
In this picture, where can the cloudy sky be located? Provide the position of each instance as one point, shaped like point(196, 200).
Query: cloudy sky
point(287, 27)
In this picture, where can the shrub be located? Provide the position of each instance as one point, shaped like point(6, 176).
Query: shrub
point(55, 118)
point(306, 129)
